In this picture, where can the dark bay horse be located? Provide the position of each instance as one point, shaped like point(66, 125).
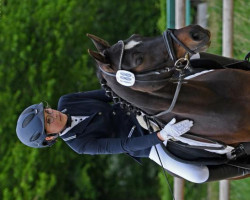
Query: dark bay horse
point(217, 101)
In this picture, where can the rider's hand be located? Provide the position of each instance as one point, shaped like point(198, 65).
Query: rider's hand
point(172, 130)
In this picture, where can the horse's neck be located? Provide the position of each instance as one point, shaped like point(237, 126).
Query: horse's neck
point(149, 101)
point(158, 100)
point(194, 93)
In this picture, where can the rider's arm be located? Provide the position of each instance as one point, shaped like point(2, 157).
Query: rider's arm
point(116, 145)
point(95, 94)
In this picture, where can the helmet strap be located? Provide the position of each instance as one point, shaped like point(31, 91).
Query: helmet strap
point(52, 134)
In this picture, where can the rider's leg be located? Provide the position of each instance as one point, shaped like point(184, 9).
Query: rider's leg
point(195, 173)
point(191, 172)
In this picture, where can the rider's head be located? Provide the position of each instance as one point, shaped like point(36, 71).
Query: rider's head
point(39, 127)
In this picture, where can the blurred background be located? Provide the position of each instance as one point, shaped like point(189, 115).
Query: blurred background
point(43, 55)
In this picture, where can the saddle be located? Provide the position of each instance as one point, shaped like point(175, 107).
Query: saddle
point(194, 154)
point(187, 154)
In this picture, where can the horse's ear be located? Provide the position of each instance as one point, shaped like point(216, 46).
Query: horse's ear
point(101, 61)
point(99, 43)
point(99, 57)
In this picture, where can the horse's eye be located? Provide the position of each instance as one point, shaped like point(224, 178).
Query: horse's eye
point(139, 60)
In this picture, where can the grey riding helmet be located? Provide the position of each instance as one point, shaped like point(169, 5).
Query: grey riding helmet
point(30, 127)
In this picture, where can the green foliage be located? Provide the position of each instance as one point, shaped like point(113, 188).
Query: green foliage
point(120, 19)
point(43, 56)
point(241, 28)
point(215, 26)
point(241, 23)
point(166, 186)
point(162, 20)
point(239, 189)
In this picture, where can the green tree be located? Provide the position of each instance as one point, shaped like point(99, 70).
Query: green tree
point(43, 56)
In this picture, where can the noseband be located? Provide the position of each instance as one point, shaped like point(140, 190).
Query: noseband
point(168, 37)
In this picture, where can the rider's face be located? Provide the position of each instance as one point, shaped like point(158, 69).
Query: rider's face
point(54, 121)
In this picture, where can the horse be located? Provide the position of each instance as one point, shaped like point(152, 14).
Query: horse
point(154, 75)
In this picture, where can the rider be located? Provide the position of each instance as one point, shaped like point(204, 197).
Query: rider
point(89, 124)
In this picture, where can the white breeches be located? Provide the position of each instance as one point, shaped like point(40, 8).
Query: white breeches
point(191, 172)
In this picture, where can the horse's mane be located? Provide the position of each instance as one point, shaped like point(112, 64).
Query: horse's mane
point(116, 99)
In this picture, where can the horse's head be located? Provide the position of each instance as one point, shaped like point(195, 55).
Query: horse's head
point(150, 61)
point(140, 54)
point(149, 58)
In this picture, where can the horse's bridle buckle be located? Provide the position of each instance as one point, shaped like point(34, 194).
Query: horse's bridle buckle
point(182, 63)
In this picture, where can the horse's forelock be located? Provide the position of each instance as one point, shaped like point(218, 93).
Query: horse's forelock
point(132, 44)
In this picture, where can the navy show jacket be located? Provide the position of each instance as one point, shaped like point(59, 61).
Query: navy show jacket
point(106, 130)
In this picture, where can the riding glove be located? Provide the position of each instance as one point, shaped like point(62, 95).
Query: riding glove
point(172, 130)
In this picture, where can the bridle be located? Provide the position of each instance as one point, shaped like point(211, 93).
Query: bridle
point(128, 78)
point(181, 66)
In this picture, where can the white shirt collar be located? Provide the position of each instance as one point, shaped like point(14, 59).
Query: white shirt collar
point(75, 120)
